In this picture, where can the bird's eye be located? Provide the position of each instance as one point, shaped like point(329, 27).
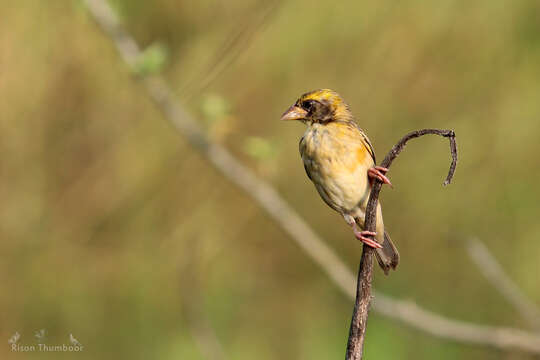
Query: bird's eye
point(307, 104)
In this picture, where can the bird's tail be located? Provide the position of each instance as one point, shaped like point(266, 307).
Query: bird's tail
point(387, 256)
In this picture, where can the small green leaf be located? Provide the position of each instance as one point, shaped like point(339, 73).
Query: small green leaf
point(152, 60)
point(259, 148)
point(214, 107)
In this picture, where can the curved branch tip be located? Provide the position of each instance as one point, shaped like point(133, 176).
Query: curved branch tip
point(355, 344)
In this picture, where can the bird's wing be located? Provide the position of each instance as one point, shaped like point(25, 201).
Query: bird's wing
point(307, 172)
point(366, 142)
point(353, 130)
point(302, 148)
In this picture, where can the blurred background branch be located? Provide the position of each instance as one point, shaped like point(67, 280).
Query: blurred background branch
point(499, 279)
point(289, 220)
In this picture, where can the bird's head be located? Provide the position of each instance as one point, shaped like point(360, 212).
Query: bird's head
point(319, 106)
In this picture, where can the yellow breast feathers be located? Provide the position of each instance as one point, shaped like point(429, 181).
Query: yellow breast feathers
point(340, 144)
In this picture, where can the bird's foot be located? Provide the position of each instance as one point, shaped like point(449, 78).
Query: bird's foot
point(361, 235)
point(379, 172)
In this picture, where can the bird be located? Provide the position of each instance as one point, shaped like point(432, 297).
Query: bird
point(40, 335)
point(339, 159)
point(74, 341)
point(13, 340)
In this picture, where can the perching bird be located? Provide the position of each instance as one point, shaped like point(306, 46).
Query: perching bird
point(340, 161)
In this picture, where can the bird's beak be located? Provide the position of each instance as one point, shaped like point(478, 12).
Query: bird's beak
point(294, 113)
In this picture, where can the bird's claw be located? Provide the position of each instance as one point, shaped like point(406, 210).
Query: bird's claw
point(378, 172)
point(361, 235)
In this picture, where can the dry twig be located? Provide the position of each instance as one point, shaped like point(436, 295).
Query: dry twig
point(357, 331)
point(285, 217)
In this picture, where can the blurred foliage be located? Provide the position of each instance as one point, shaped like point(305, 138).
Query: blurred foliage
point(152, 60)
point(259, 148)
point(115, 230)
point(214, 108)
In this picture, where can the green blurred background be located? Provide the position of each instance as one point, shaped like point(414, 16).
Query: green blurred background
point(115, 230)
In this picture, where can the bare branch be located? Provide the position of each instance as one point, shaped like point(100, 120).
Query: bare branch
point(396, 149)
point(431, 323)
point(495, 274)
point(285, 217)
point(357, 332)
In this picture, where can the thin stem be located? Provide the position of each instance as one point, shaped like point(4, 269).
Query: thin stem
point(357, 331)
